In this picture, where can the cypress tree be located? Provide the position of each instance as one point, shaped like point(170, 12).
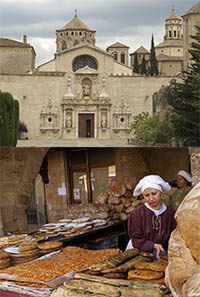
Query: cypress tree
point(9, 120)
point(143, 66)
point(153, 61)
point(136, 64)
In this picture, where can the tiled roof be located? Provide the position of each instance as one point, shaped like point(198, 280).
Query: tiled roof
point(76, 24)
point(142, 50)
point(173, 16)
point(12, 43)
point(194, 9)
point(118, 44)
point(170, 42)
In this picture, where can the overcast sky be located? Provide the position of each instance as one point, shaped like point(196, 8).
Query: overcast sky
point(131, 22)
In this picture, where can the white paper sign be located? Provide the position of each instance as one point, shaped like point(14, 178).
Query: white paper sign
point(77, 195)
point(61, 191)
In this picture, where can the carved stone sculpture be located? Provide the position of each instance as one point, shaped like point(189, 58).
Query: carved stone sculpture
point(86, 87)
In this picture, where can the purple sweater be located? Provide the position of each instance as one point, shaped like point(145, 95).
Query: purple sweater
point(145, 229)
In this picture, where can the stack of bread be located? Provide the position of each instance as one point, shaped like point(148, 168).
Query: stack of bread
point(79, 222)
point(92, 211)
point(131, 273)
point(153, 272)
point(118, 266)
point(26, 250)
point(5, 260)
point(24, 256)
point(120, 200)
point(13, 240)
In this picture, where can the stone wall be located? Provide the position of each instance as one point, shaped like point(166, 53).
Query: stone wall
point(19, 168)
point(134, 163)
point(41, 91)
point(57, 173)
point(130, 165)
point(189, 22)
point(16, 60)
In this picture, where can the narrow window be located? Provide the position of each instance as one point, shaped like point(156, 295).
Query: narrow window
point(123, 58)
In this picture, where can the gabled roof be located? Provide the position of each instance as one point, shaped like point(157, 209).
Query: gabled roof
point(76, 24)
point(141, 50)
point(195, 9)
point(80, 46)
point(12, 43)
point(118, 44)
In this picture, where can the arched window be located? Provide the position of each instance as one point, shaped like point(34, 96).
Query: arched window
point(115, 56)
point(123, 58)
point(82, 61)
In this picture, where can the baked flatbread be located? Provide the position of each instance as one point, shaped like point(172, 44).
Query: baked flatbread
point(145, 274)
point(154, 281)
point(27, 247)
point(117, 275)
point(49, 245)
point(154, 266)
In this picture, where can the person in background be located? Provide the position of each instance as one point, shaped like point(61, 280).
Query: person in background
point(183, 180)
point(150, 224)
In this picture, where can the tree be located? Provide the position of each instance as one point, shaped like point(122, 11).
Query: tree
point(184, 97)
point(178, 125)
point(143, 66)
point(9, 119)
point(153, 62)
point(136, 64)
point(150, 129)
point(138, 118)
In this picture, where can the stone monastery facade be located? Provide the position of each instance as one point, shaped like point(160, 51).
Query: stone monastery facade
point(87, 92)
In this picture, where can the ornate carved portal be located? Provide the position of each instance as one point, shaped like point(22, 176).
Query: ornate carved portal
point(86, 110)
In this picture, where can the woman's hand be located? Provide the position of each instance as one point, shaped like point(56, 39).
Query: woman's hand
point(159, 249)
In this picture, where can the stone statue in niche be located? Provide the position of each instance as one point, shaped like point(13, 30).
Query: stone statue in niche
point(103, 121)
point(68, 121)
point(86, 88)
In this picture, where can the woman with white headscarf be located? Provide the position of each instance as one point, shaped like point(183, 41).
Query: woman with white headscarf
point(150, 224)
point(183, 180)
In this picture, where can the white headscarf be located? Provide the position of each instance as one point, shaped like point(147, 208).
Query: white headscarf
point(151, 181)
point(186, 175)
